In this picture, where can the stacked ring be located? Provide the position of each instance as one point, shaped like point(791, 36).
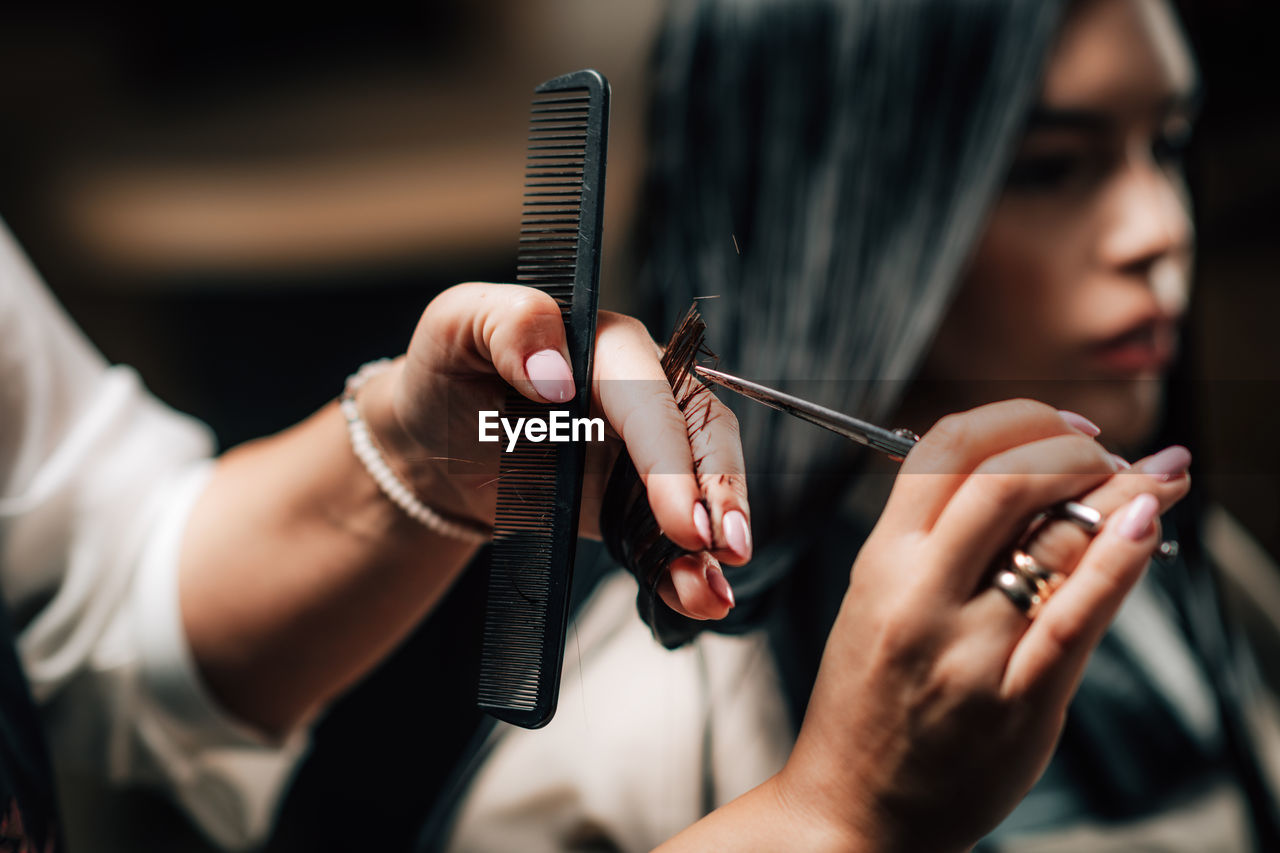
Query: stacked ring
point(1028, 584)
point(1085, 517)
point(1020, 590)
point(1046, 580)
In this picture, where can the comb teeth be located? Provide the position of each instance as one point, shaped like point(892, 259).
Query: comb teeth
point(540, 483)
point(516, 621)
point(552, 215)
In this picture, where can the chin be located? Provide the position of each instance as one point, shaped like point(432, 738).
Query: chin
point(1127, 411)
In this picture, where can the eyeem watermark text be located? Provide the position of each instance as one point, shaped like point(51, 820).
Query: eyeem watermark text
point(557, 426)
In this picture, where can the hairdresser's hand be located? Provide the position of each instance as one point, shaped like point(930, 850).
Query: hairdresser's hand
point(938, 703)
point(475, 340)
point(1163, 474)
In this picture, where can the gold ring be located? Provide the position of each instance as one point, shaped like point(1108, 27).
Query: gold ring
point(1046, 580)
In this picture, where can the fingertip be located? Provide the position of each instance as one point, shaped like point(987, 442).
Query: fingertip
point(1170, 492)
point(720, 585)
point(737, 533)
point(700, 587)
point(726, 496)
point(673, 499)
point(1135, 520)
point(667, 592)
point(1080, 423)
point(550, 375)
point(1168, 464)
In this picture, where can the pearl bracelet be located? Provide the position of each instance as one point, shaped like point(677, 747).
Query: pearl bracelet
point(391, 485)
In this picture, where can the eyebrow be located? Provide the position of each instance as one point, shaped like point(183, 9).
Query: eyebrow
point(1090, 121)
point(1054, 118)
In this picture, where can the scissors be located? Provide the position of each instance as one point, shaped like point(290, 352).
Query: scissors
point(895, 443)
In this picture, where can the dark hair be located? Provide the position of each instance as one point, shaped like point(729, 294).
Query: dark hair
point(826, 166)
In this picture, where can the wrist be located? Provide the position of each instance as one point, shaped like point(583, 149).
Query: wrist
point(816, 828)
point(409, 471)
point(376, 400)
point(840, 817)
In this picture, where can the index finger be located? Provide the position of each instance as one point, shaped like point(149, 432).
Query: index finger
point(954, 448)
point(722, 476)
point(631, 389)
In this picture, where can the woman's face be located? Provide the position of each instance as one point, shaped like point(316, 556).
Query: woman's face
point(1076, 288)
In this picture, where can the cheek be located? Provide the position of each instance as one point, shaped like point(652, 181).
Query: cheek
point(1012, 315)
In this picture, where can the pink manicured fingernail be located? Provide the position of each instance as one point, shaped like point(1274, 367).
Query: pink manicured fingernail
point(719, 585)
point(550, 375)
point(1135, 519)
point(1080, 422)
point(1168, 463)
point(736, 533)
point(702, 522)
point(1121, 461)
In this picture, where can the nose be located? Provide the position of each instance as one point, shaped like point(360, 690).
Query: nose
point(1148, 224)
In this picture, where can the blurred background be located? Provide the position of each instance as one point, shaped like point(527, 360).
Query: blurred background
point(247, 202)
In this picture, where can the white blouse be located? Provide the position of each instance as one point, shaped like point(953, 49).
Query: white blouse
point(621, 765)
point(96, 482)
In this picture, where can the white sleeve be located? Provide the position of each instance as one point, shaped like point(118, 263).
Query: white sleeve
point(97, 480)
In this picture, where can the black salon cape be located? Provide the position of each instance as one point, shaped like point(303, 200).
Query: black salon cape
point(396, 752)
point(28, 804)
point(391, 762)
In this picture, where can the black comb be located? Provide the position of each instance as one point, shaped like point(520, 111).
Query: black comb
point(540, 484)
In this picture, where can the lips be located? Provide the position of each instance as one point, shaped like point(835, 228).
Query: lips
point(1146, 348)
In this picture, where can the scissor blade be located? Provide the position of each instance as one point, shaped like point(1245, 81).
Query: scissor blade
point(879, 438)
point(860, 431)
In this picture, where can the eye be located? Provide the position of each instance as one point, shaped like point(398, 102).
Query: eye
point(1171, 145)
point(1046, 172)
